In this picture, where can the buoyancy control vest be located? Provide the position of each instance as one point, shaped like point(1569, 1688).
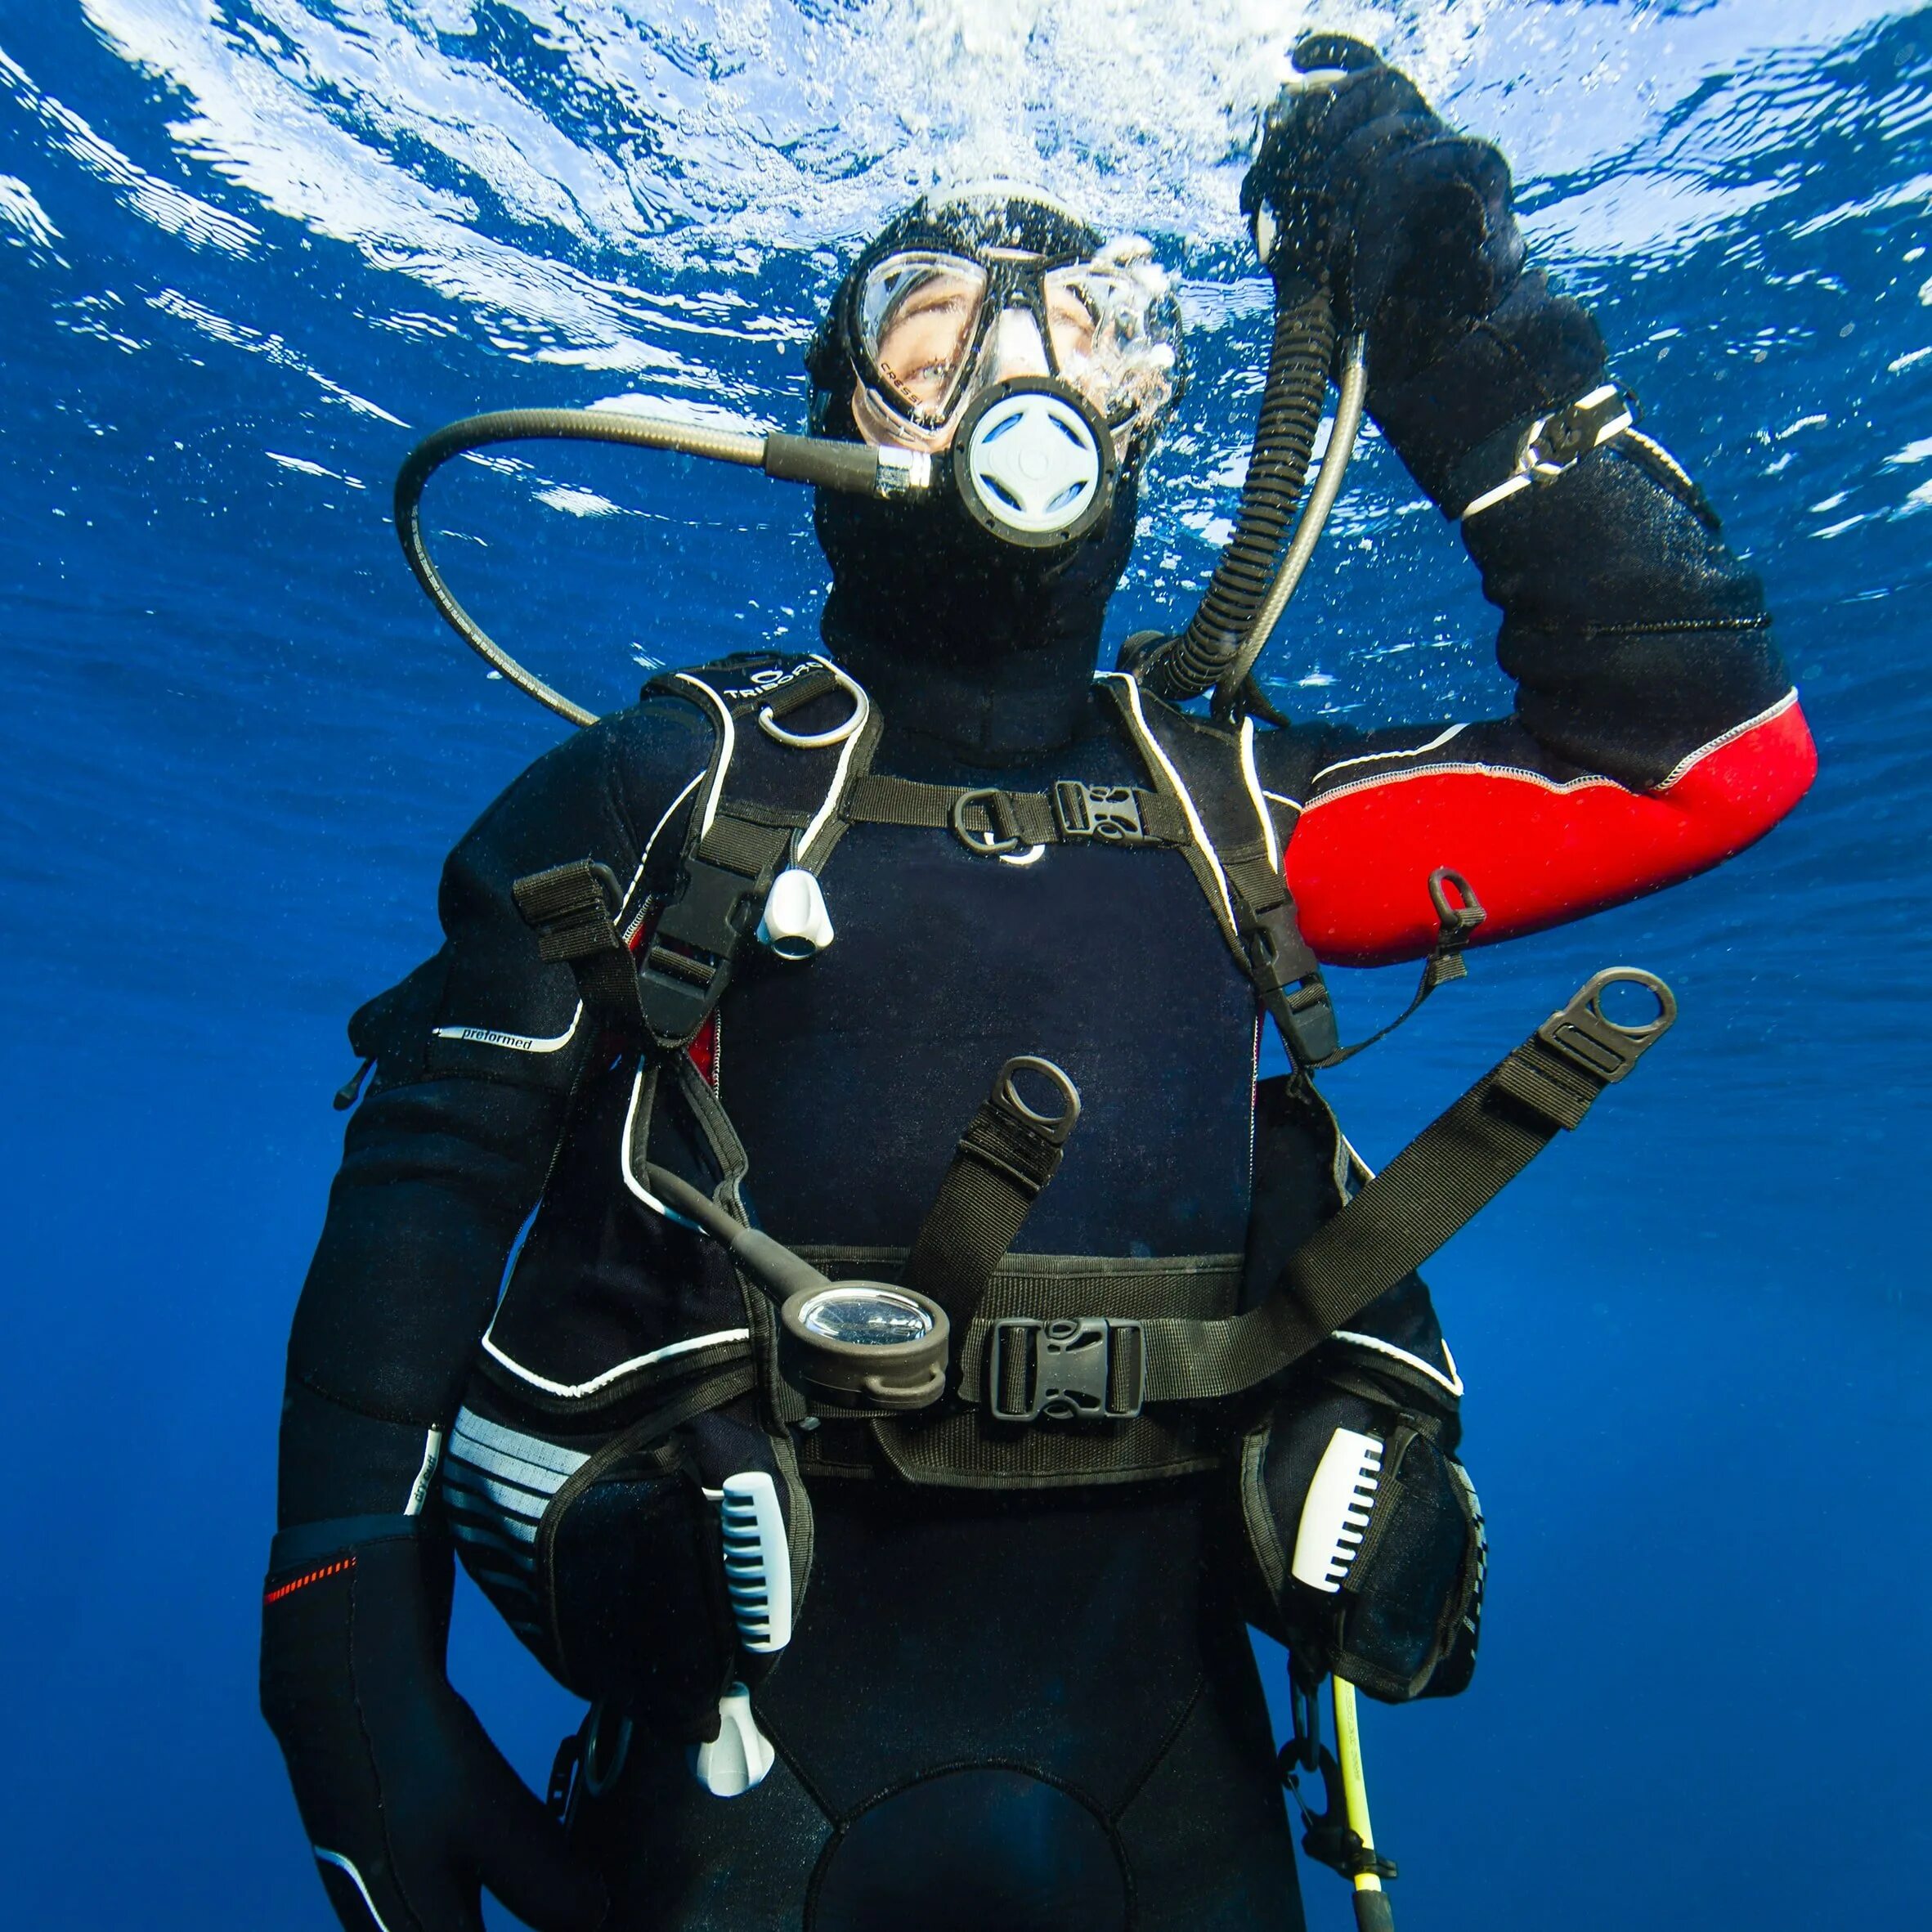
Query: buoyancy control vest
point(578, 1501)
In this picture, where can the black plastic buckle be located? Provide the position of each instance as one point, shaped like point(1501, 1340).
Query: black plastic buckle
point(1003, 833)
point(1589, 1039)
point(1110, 813)
point(1300, 1002)
point(688, 964)
point(1067, 1368)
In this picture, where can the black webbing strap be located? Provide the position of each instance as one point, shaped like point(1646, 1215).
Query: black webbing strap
point(1286, 974)
point(571, 909)
point(1007, 1154)
point(987, 819)
point(1451, 1170)
point(1230, 848)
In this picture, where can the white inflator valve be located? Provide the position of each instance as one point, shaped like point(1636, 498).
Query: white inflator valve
point(1335, 1517)
point(740, 1755)
point(796, 923)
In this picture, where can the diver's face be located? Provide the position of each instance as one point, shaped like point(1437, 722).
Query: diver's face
point(929, 332)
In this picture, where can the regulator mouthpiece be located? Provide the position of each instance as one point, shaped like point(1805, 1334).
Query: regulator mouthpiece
point(1033, 463)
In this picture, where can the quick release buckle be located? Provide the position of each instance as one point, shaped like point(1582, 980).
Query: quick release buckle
point(1087, 1368)
point(1110, 812)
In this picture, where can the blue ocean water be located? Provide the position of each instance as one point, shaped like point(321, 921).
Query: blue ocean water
point(248, 253)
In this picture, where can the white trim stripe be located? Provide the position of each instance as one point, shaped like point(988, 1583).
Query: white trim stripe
point(343, 1864)
point(727, 745)
point(644, 857)
point(1196, 828)
point(1436, 743)
point(1587, 782)
point(488, 1036)
point(1590, 782)
point(1685, 766)
point(837, 791)
point(1252, 779)
point(1452, 1381)
point(610, 1375)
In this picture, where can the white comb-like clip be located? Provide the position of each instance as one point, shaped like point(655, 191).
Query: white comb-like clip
point(1335, 1517)
point(757, 1561)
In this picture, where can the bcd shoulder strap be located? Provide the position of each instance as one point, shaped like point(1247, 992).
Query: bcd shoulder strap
point(790, 735)
point(1235, 853)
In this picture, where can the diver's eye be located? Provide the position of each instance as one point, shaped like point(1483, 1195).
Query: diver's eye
point(1073, 324)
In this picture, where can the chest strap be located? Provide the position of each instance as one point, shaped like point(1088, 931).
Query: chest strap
point(986, 818)
point(1107, 1359)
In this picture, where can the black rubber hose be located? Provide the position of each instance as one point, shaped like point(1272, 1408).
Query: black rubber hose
point(1298, 364)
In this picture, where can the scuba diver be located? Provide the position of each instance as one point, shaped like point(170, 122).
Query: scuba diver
point(925, 1346)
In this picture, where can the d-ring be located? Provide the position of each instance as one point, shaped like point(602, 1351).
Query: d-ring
point(1002, 828)
point(1006, 1092)
point(598, 1779)
point(817, 741)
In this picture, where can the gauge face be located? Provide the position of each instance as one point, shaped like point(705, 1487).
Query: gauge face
point(870, 1317)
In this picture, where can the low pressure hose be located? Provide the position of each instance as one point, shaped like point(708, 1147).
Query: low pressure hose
point(1303, 353)
point(1314, 520)
point(856, 468)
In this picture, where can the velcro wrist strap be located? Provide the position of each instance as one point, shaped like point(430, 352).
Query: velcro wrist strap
point(1528, 454)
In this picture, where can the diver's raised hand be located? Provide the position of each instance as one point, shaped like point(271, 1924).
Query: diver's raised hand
point(1361, 185)
point(411, 1810)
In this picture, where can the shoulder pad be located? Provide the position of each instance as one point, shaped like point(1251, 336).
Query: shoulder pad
point(748, 681)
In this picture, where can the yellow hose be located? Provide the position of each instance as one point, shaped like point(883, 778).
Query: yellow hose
point(1355, 1791)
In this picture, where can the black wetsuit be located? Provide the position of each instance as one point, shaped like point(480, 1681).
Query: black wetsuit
point(1010, 1710)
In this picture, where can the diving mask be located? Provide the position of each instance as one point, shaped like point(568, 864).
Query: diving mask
point(932, 329)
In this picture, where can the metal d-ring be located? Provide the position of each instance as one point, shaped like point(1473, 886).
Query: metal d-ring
point(818, 741)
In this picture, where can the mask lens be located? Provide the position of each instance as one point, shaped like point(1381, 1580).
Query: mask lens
point(1117, 336)
point(917, 316)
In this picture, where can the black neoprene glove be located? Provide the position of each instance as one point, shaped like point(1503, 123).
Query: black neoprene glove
point(1406, 1560)
point(1360, 185)
point(410, 1809)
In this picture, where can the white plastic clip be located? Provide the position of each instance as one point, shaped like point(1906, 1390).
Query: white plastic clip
point(796, 923)
point(757, 1560)
point(1335, 1517)
point(740, 1755)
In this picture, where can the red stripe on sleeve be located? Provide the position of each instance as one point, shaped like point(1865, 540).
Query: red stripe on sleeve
point(1536, 853)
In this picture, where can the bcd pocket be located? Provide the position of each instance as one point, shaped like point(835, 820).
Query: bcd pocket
point(1385, 1556)
point(606, 1559)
